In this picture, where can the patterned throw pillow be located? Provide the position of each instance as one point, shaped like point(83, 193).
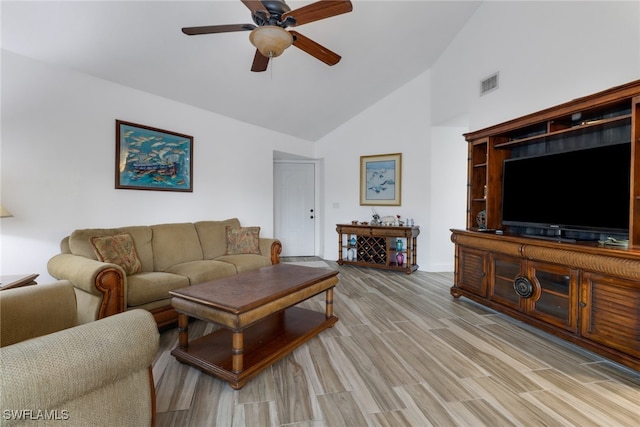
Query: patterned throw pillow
point(243, 240)
point(117, 249)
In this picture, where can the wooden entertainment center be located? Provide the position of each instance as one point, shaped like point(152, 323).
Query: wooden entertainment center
point(581, 290)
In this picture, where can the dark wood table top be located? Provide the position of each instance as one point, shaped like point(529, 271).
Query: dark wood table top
point(251, 289)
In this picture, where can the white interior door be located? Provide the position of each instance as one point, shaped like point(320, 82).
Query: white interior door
point(294, 207)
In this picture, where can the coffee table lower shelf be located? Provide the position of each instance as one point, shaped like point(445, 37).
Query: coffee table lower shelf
point(265, 343)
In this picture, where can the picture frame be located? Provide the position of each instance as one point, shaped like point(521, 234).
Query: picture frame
point(149, 158)
point(381, 180)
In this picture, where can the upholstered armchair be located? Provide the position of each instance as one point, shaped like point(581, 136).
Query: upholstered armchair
point(55, 372)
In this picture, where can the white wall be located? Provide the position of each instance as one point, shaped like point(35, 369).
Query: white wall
point(546, 53)
point(58, 155)
point(399, 123)
point(448, 172)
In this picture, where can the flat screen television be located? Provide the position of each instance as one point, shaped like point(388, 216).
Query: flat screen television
point(583, 190)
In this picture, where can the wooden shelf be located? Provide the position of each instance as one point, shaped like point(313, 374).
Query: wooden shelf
point(581, 128)
point(264, 343)
point(376, 246)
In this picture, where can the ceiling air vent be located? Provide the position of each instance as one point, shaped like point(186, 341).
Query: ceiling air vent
point(489, 84)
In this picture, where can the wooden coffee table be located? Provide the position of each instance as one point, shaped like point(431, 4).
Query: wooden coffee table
point(260, 324)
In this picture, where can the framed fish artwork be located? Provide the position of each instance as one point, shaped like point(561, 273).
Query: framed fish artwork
point(148, 158)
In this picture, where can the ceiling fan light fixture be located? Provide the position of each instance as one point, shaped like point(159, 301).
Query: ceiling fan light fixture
point(270, 40)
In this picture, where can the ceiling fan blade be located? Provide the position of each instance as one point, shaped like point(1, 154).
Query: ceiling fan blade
point(257, 8)
point(211, 29)
point(314, 49)
point(319, 10)
point(260, 62)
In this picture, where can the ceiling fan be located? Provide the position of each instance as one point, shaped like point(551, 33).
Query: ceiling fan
point(269, 34)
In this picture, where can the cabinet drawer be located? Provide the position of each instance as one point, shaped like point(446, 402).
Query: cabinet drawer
point(610, 312)
point(391, 232)
point(557, 298)
point(553, 294)
point(352, 230)
point(505, 271)
point(471, 271)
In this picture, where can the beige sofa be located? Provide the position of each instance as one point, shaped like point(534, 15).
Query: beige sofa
point(55, 372)
point(161, 258)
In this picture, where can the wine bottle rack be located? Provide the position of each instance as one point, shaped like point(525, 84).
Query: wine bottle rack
point(371, 249)
point(375, 246)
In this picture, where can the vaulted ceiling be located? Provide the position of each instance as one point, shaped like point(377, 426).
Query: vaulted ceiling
point(383, 44)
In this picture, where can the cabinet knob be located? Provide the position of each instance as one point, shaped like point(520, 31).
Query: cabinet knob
point(523, 287)
point(582, 304)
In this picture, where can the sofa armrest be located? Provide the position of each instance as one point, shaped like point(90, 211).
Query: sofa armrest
point(273, 247)
point(105, 280)
point(85, 375)
point(33, 311)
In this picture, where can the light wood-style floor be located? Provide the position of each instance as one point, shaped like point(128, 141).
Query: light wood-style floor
point(405, 353)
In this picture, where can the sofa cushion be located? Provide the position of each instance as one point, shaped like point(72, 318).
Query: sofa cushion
point(213, 235)
point(243, 240)
point(174, 244)
point(141, 235)
point(143, 288)
point(246, 262)
point(80, 240)
point(203, 271)
point(117, 249)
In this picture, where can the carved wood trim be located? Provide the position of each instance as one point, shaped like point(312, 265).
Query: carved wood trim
point(110, 282)
point(619, 267)
point(276, 249)
point(504, 247)
point(165, 317)
point(152, 386)
point(575, 258)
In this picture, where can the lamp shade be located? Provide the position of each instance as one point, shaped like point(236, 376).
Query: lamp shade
point(4, 213)
point(270, 40)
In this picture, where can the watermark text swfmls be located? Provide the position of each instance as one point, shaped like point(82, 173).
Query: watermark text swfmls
point(35, 414)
